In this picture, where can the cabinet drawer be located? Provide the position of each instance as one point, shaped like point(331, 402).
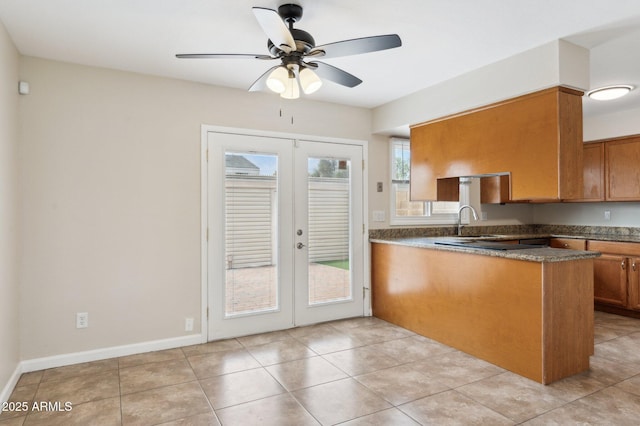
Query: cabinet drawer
point(627, 249)
point(568, 243)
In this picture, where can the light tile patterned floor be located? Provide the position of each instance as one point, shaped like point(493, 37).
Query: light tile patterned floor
point(355, 372)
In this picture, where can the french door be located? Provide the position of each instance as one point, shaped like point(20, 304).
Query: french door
point(285, 233)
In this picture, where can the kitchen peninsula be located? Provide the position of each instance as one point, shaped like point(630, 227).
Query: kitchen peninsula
point(529, 310)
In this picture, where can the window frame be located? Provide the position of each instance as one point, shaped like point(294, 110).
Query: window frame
point(429, 218)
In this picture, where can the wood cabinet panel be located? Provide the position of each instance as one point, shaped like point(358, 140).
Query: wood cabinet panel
point(536, 138)
point(568, 283)
point(593, 175)
point(494, 189)
point(568, 243)
point(622, 165)
point(449, 189)
point(634, 283)
point(610, 279)
point(534, 320)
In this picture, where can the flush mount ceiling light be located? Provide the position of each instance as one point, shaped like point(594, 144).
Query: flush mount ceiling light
point(608, 93)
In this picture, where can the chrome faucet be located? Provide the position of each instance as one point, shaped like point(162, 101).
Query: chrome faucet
point(475, 216)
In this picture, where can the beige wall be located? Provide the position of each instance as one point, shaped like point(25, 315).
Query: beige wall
point(110, 178)
point(9, 350)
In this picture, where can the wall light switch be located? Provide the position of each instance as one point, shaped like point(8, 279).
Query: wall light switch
point(379, 186)
point(607, 215)
point(378, 215)
point(82, 320)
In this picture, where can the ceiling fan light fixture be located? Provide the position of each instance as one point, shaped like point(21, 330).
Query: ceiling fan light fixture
point(277, 80)
point(292, 89)
point(292, 45)
point(309, 81)
point(608, 93)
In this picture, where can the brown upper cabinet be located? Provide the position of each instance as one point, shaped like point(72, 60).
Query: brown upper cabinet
point(593, 158)
point(536, 139)
point(612, 169)
point(622, 167)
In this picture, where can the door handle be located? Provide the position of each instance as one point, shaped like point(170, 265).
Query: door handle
point(300, 246)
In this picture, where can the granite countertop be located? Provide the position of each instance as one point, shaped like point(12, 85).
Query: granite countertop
point(426, 237)
point(542, 254)
point(599, 237)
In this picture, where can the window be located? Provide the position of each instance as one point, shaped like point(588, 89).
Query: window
point(407, 212)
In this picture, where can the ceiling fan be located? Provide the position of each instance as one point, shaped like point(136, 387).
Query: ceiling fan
point(293, 46)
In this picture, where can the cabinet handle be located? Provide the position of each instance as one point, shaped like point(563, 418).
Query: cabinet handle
point(633, 266)
point(623, 264)
point(566, 245)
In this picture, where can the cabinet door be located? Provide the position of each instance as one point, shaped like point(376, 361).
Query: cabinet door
point(568, 243)
point(593, 160)
point(610, 279)
point(623, 174)
point(634, 283)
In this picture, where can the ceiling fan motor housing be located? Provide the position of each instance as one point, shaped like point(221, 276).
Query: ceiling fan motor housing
point(290, 12)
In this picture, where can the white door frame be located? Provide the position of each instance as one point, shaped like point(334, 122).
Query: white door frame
point(204, 212)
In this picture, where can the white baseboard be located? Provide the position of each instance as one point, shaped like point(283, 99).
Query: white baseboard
point(11, 384)
point(110, 352)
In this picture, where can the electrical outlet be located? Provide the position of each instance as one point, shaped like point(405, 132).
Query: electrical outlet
point(379, 186)
point(483, 216)
point(82, 319)
point(607, 215)
point(188, 324)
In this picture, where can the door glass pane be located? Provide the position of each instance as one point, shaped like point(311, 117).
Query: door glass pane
point(251, 183)
point(329, 253)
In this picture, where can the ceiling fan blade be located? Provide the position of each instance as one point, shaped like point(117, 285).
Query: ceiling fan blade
point(222, 56)
point(357, 46)
point(334, 74)
point(275, 28)
point(261, 83)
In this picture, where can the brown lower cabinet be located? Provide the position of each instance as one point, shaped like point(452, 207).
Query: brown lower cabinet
point(568, 243)
point(512, 313)
point(616, 274)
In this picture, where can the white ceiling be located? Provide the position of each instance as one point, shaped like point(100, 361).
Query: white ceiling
point(441, 39)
